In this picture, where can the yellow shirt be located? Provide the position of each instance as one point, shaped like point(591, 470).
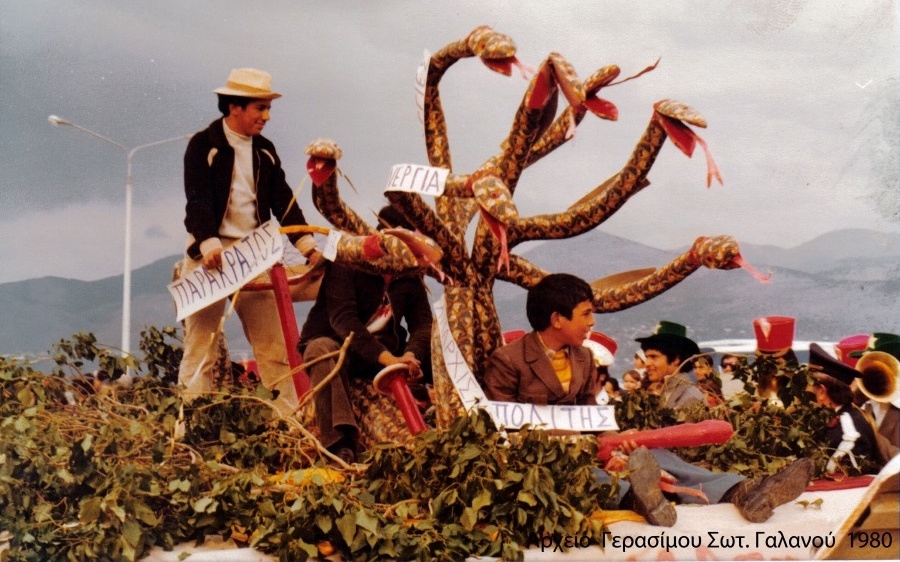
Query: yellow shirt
point(563, 367)
point(561, 364)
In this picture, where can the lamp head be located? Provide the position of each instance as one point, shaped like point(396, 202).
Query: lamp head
point(56, 120)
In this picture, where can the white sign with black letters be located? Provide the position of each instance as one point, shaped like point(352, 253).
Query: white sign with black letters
point(415, 178)
point(241, 263)
point(513, 415)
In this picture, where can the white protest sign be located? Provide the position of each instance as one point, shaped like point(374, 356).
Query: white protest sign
point(421, 80)
point(512, 415)
point(331, 245)
point(414, 178)
point(241, 263)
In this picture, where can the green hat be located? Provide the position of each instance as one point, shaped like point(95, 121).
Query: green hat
point(671, 335)
point(881, 341)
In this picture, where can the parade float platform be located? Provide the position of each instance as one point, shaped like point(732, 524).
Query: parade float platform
point(860, 522)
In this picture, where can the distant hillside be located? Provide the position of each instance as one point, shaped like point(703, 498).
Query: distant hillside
point(829, 302)
point(851, 254)
point(842, 283)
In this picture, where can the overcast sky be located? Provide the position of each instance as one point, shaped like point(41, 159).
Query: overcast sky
point(801, 98)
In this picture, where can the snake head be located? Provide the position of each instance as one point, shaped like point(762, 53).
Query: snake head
point(679, 112)
point(497, 209)
point(600, 107)
point(406, 252)
point(379, 253)
point(722, 252)
point(495, 202)
point(555, 73)
point(496, 50)
point(323, 156)
point(716, 252)
point(392, 250)
point(426, 251)
point(674, 117)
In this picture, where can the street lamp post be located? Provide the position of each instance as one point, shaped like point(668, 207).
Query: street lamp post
point(126, 282)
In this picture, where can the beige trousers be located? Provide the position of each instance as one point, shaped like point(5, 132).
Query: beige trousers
point(259, 316)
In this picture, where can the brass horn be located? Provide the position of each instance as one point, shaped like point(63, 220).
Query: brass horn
point(878, 378)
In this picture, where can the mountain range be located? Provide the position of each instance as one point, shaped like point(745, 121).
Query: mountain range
point(841, 283)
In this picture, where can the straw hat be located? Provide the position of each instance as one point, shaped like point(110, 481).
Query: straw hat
point(249, 83)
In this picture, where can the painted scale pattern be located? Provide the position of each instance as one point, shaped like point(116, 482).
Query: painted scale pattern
point(487, 193)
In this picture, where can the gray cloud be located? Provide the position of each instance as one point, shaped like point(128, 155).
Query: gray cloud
point(802, 147)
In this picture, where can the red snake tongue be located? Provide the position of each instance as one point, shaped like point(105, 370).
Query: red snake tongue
point(498, 229)
point(739, 261)
point(686, 139)
point(525, 70)
point(632, 77)
point(320, 169)
point(671, 488)
point(504, 250)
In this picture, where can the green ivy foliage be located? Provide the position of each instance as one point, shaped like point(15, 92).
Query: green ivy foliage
point(110, 474)
point(451, 495)
point(768, 433)
point(101, 475)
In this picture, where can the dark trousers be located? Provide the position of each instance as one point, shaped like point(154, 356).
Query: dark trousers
point(334, 408)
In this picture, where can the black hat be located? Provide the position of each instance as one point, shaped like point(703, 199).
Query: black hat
point(389, 217)
point(671, 336)
point(820, 361)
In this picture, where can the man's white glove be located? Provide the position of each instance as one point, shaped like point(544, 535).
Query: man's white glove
point(848, 440)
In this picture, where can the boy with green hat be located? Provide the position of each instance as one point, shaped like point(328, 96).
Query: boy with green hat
point(669, 352)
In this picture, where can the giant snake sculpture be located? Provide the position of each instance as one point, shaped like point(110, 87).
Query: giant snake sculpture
point(439, 247)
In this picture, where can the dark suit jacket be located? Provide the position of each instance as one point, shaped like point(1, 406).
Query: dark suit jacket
point(521, 372)
point(888, 435)
point(347, 300)
point(865, 445)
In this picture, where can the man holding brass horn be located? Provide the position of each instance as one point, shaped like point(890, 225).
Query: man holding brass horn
point(849, 434)
point(878, 366)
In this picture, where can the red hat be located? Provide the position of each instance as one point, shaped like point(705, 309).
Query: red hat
point(602, 346)
point(774, 334)
point(848, 345)
point(512, 335)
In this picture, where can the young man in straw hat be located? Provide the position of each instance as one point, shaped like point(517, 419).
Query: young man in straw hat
point(234, 182)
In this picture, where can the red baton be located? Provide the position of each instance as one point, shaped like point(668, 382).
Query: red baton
point(392, 380)
point(707, 432)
